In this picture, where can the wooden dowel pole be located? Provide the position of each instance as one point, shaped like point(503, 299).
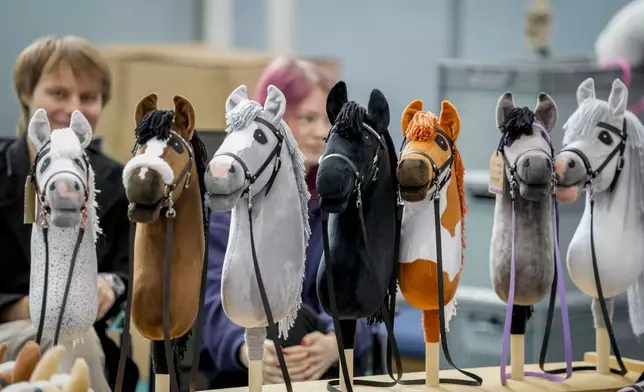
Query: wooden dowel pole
point(349, 355)
point(602, 343)
point(432, 359)
point(255, 375)
point(517, 356)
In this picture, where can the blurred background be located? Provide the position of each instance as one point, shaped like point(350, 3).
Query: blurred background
point(466, 51)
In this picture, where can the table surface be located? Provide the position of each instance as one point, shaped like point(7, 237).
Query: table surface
point(580, 381)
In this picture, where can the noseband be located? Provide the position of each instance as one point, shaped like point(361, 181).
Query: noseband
point(444, 171)
point(364, 178)
point(44, 211)
point(275, 153)
point(512, 167)
point(618, 150)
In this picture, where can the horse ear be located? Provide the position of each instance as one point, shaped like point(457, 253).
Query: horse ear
point(275, 104)
point(449, 118)
point(184, 116)
point(335, 100)
point(503, 107)
point(617, 100)
point(38, 130)
point(238, 95)
point(378, 109)
point(409, 113)
point(586, 90)
point(145, 105)
point(81, 128)
point(546, 111)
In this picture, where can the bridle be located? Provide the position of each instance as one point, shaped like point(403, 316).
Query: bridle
point(441, 177)
point(44, 212)
point(168, 202)
point(361, 183)
point(250, 180)
point(591, 175)
point(442, 174)
point(513, 178)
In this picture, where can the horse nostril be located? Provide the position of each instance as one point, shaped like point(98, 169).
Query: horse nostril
point(571, 164)
point(76, 186)
point(401, 164)
point(232, 169)
point(526, 162)
point(52, 187)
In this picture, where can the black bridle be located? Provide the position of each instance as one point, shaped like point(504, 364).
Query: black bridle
point(250, 180)
point(44, 210)
point(361, 183)
point(591, 175)
point(441, 177)
point(170, 214)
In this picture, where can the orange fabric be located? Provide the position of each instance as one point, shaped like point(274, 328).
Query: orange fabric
point(418, 280)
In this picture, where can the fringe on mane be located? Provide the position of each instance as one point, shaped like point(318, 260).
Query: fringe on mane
point(421, 127)
point(458, 169)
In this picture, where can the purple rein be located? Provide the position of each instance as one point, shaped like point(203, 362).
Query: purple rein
point(561, 292)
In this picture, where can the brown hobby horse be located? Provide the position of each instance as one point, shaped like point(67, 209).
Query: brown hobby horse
point(164, 185)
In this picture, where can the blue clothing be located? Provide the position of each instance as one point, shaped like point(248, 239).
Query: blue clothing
point(222, 338)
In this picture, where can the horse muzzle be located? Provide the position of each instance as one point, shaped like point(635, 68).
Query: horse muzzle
point(225, 182)
point(66, 197)
point(414, 179)
point(570, 172)
point(145, 191)
point(334, 187)
point(534, 176)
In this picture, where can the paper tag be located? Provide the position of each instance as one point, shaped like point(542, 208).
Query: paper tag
point(497, 173)
point(30, 201)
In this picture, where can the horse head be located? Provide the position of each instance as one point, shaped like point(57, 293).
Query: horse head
point(525, 145)
point(163, 158)
point(428, 153)
point(356, 143)
point(254, 141)
point(594, 144)
point(61, 170)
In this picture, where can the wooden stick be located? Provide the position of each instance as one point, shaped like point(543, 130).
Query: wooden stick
point(632, 365)
point(255, 375)
point(602, 345)
point(517, 356)
point(349, 355)
point(161, 383)
point(432, 359)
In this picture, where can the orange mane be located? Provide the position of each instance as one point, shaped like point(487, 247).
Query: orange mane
point(422, 128)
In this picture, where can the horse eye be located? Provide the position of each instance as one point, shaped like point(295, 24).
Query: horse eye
point(441, 142)
point(259, 136)
point(605, 138)
point(79, 163)
point(176, 145)
point(45, 165)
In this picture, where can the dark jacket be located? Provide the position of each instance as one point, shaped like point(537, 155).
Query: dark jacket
point(222, 338)
point(15, 236)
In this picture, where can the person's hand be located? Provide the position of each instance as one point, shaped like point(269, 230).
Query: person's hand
point(106, 297)
point(321, 352)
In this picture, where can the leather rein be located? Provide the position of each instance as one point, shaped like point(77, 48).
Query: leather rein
point(362, 182)
point(44, 212)
point(184, 180)
point(441, 177)
point(618, 151)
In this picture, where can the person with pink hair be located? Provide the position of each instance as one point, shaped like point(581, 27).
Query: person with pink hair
point(310, 351)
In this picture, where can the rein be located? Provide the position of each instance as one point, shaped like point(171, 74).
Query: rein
point(170, 215)
point(368, 177)
point(590, 176)
point(558, 285)
point(273, 332)
point(45, 209)
point(445, 172)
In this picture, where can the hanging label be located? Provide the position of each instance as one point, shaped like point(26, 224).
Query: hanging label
point(497, 173)
point(30, 201)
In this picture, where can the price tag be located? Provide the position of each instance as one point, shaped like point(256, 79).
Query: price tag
point(497, 174)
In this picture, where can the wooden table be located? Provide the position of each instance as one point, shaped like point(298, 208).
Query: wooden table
point(580, 381)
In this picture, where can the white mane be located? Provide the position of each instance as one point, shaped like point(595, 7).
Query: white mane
point(582, 122)
point(65, 144)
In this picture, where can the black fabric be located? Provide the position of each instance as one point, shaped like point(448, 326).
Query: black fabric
point(307, 321)
point(15, 237)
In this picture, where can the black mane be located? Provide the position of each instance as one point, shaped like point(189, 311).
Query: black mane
point(350, 119)
point(518, 122)
point(201, 162)
point(156, 123)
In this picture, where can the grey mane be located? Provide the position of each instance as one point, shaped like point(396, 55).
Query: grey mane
point(585, 119)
